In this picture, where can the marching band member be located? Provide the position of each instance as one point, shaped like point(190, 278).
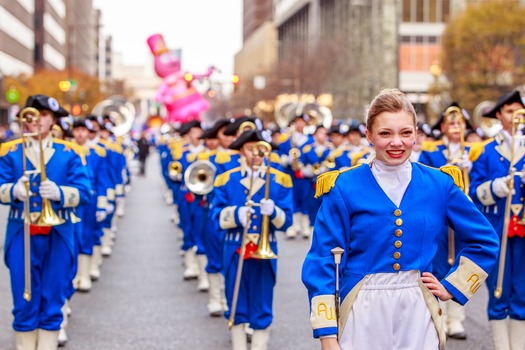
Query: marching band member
point(192, 246)
point(213, 235)
point(490, 189)
point(95, 211)
point(37, 321)
point(388, 228)
point(448, 151)
point(229, 208)
point(292, 165)
point(337, 135)
point(316, 162)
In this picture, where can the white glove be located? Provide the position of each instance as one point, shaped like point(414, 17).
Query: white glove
point(19, 190)
point(100, 215)
point(267, 206)
point(48, 189)
point(176, 178)
point(522, 174)
point(500, 186)
point(285, 161)
point(110, 208)
point(243, 215)
point(308, 171)
point(465, 163)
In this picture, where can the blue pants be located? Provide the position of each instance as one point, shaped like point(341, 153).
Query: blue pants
point(512, 301)
point(254, 304)
point(51, 266)
point(213, 240)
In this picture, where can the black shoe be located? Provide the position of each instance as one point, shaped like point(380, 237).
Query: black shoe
point(459, 336)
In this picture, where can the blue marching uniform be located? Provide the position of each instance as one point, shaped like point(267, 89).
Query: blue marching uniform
point(380, 237)
point(494, 162)
point(258, 277)
point(98, 173)
point(52, 252)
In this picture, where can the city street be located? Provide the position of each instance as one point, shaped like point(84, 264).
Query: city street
point(141, 301)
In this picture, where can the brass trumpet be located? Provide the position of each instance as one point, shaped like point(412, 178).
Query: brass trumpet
point(295, 153)
point(174, 168)
point(264, 251)
point(518, 118)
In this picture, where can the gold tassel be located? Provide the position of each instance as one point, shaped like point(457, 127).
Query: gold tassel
point(455, 173)
point(326, 182)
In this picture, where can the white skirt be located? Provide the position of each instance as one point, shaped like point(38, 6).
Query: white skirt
point(390, 312)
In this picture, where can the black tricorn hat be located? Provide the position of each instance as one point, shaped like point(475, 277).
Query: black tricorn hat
point(466, 117)
point(236, 123)
point(341, 129)
point(505, 99)
point(184, 128)
point(253, 136)
point(40, 102)
point(425, 129)
point(83, 123)
point(212, 132)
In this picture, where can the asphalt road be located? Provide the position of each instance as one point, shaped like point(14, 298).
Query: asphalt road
point(141, 301)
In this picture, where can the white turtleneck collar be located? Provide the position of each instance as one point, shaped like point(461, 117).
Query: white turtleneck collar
point(393, 179)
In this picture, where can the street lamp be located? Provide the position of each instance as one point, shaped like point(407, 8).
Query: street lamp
point(434, 89)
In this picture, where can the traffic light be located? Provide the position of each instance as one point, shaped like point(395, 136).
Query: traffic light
point(188, 77)
point(76, 110)
point(235, 81)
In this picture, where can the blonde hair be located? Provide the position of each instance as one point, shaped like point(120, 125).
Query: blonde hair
point(389, 100)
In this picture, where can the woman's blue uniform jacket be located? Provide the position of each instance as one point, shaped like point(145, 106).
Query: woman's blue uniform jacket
point(379, 237)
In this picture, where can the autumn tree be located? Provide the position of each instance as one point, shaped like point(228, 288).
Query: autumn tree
point(86, 90)
point(483, 51)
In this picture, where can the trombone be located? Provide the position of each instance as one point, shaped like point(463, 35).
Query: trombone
point(454, 113)
point(47, 216)
point(518, 118)
point(264, 250)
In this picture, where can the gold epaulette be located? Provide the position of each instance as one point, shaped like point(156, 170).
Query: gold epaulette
point(173, 144)
point(430, 146)
point(336, 152)
point(284, 137)
point(191, 157)
point(306, 149)
point(281, 178)
point(68, 145)
point(223, 178)
point(161, 141)
point(274, 158)
point(9, 146)
point(326, 181)
point(455, 173)
point(99, 150)
point(223, 157)
point(476, 149)
point(206, 155)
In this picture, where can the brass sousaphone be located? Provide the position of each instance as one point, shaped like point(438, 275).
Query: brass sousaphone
point(120, 110)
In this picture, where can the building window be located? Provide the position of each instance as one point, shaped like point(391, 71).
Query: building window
point(426, 11)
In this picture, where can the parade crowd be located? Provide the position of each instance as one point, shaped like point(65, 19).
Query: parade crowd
point(406, 220)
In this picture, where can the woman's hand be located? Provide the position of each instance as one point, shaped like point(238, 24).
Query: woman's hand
point(435, 287)
point(330, 344)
